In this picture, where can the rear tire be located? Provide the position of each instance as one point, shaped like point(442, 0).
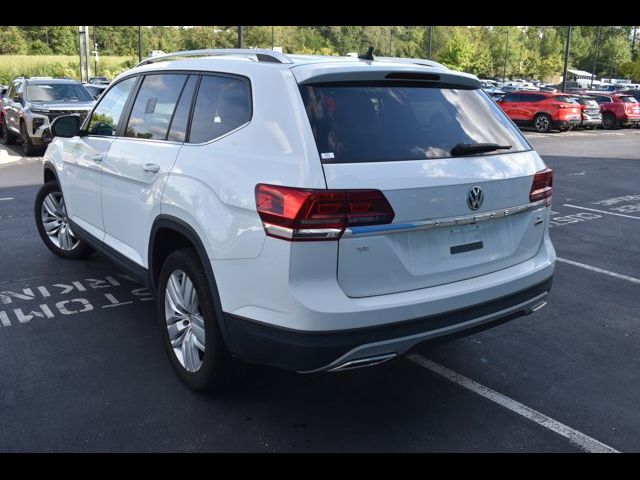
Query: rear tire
point(542, 123)
point(8, 138)
point(52, 223)
point(189, 323)
point(609, 121)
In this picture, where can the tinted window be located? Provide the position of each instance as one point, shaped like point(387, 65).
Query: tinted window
point(602, 99)
point(565, 99)
point(529, 97)
point(105, 117)
point(223, 104)
point(154, 106)
point(57, 92)
point(628, 99)
point(393, 121)
point(510, 98)
point(178, 130)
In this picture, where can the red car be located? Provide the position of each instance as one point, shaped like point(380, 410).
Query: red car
point(542, 110)
point(618, 110)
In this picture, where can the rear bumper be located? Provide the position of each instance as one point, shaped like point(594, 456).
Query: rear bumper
point(308, 352)
point(588, 121)
point(626, 121)
point(574, 122)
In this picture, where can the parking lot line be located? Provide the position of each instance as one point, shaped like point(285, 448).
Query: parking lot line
point(600, 211)
point(599, 270)
point(6, 198)
point(579, 439)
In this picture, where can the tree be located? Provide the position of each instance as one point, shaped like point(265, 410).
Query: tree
point(12, 41)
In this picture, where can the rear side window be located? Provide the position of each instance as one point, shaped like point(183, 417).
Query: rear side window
point(222, 105)
point(395, 121)
point(154, 106)
point(106, 116)
point(628, 99)
point(603, 99)
point(530, 97)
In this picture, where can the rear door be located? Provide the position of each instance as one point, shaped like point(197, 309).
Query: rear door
point(455, 217)
point(138, 162)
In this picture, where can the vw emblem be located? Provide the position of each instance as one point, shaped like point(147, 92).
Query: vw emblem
point(475, 198)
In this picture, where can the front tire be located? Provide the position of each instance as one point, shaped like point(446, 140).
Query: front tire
point(27, 145)
point(8, 138)
point(542, 123)
point(52, 223)
point(189, 323)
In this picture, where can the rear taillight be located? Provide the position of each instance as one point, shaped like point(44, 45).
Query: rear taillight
point(307, 214)
point(542, 187)
point(561, 106)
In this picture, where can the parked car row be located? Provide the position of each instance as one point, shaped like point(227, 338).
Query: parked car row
point(545, 111)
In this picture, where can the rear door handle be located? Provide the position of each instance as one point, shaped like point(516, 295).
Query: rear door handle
point(97, 157)
point(151, 168)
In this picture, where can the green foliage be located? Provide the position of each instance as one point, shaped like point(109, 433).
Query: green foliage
point(534, 51)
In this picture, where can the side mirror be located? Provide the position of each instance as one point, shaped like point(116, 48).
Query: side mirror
point(67, 126)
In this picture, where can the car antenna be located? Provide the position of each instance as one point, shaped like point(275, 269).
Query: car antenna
point(368, 55)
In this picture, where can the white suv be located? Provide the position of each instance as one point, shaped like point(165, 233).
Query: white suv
point(312, 213)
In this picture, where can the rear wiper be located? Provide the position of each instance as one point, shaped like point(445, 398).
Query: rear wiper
point(467, 148)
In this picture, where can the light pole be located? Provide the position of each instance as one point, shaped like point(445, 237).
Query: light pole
point(430, 38)
point(95, 51)
point(139, 44)
point(390, 27)
point(273, 43)
point(506, 51)
point(240, 37)
point(595, 59)
point(566, 59)
point(633, 44)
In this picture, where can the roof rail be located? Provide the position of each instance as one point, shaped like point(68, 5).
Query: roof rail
point(262, 55)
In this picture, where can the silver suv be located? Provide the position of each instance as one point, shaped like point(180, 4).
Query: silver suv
point(31, 104)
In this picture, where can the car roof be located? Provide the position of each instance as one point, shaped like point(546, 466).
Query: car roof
point(304, 67)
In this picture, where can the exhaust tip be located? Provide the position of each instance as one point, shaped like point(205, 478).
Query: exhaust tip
point(363, 362)
point(538, 306)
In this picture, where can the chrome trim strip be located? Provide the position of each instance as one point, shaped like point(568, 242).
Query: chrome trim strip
point(363, 362)
point(443, 222)
point(302, 233)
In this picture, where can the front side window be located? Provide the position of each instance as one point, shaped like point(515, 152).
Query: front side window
point(222, 105)
point(57, 92)
point(106, 116)
point(154, 106)
point(389, 121)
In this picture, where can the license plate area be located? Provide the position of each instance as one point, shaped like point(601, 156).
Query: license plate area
point(465, 238)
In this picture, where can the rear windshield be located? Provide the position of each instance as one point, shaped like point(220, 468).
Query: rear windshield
point(565, 99)
point(383, 122)
point(629, 99)
point(57, 92)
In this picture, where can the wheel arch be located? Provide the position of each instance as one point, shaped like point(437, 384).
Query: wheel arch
point(49, 172)
point(177, 232)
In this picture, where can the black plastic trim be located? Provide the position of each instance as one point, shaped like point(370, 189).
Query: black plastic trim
point(301, 351)
point(176, 224)
point(138, 271)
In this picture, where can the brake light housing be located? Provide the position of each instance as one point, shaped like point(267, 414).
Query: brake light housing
point(303, 214)
point(542, 186)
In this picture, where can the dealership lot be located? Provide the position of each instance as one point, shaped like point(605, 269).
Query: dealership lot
point(83, 367)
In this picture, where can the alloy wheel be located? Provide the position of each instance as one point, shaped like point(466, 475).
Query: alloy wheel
point(56, 223)
point(184, 321)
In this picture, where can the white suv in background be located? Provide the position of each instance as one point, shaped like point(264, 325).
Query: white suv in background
point(312, 213)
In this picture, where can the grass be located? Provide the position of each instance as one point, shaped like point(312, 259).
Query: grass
point(12, 66)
